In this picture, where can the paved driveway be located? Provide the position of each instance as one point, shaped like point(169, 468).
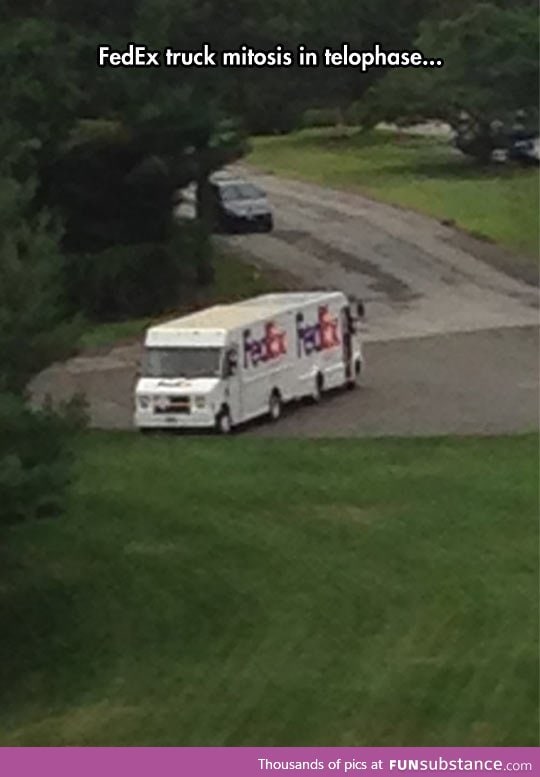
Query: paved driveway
point(451, 341)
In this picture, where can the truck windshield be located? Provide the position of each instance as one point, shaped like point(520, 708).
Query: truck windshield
point(182, 363)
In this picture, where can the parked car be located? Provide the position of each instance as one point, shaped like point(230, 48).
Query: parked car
point(237, 205)
point(525, 150)
point(500, 141)
point(240, 205)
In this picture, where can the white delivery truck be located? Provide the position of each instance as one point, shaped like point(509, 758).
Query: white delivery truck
point(220, 367)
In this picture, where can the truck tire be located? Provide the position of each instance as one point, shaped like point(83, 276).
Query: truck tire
point(352, 383)
point(318, 389)
point(224, 422)
point(275, 406)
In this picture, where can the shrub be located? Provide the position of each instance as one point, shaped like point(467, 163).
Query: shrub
point(134, 281)
point(355, 114)
point(123, 281)
point(193, 242)
point(34, 328)
point(321, 117)
point(36, 458)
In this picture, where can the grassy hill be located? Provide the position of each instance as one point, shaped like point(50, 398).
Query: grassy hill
point(255, 592)
point(426, 174)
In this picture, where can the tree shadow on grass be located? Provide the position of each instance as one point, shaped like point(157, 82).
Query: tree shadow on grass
point(45, 637)
point(455, 167)
point(336, 139)
point(66, 636)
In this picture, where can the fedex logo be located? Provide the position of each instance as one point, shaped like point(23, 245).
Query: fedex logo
point(321, 336)
point(271, 345)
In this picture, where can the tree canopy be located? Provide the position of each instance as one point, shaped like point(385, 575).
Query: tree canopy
point(491, 66)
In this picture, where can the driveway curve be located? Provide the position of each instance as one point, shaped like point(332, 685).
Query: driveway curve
point(451, 341)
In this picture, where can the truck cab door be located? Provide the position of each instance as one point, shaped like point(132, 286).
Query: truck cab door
point(347, 325)
point(233, 384)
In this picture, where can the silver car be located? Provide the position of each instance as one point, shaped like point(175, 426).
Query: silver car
point(237, 205)
point(240, 205)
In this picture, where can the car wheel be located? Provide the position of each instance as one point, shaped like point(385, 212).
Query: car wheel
point(275, 407)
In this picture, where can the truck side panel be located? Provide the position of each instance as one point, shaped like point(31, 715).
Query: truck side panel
point(288, 352)
point(267, 363)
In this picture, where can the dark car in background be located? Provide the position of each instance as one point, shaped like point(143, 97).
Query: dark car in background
point(240, 206)
point(237, 205)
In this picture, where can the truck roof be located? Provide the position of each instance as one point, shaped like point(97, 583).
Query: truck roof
point(293, 299)
point(221, 318)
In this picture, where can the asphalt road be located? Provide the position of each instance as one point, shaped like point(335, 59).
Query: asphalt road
point(468, 383)
point(417, 276)
point(451, 342)
point(482, 382)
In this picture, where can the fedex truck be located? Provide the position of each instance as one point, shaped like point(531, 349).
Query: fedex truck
point(221, 367)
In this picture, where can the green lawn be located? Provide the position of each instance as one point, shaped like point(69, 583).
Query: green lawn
point(256, 592)
point(421, 173)
point(235, 279)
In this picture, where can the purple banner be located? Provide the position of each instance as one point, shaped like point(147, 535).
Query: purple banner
point(264, 762)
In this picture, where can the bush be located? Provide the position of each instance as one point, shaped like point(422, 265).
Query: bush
point(36, 458)
point(34, 327)
point(355, 114)
point(194, 243)
point(135, 281)
point(271, 116)
point(123, 281)
point(321, 117)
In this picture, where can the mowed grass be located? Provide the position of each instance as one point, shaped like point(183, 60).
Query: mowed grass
point(245, 592)
point(426, 174)
point(235, 279)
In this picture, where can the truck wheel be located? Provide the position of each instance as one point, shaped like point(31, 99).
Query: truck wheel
point(352, 383)
point(224, 422)
point(318, 388)
point(275, 407)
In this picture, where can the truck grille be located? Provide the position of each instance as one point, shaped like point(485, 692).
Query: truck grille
point(173, 405)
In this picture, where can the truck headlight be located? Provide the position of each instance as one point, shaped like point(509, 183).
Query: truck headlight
point(200, 402)
point(144, 402)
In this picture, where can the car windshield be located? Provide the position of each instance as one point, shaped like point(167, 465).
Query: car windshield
point(244, 191)
point(182, 363)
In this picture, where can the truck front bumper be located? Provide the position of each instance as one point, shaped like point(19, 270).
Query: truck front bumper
point(198, 420)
